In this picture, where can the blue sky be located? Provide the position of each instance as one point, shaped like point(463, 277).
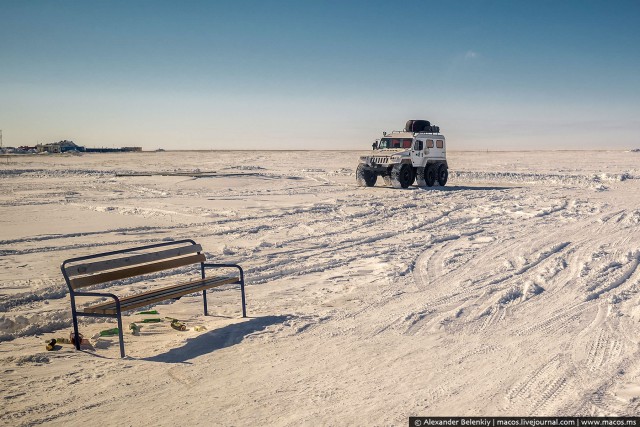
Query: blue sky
point(519, 75)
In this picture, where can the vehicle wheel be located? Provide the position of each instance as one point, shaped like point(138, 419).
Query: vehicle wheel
point(430, 175)
point(365, 177)
point(401, 176)
point(413, 176)
point(387, 180)
point(420, 177)
point(443, 175)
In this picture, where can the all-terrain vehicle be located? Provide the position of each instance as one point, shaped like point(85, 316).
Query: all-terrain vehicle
point(416, 154)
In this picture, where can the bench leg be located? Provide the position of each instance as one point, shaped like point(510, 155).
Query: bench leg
point(204, 298)
point(244, 308)
point(76, 334)
point(120, 334)
point(244, 305)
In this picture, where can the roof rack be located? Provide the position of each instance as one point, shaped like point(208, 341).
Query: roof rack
point(432, 130)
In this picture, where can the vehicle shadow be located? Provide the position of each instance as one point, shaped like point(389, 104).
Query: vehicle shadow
point(211, 341)
point(448, 188)
point(464, 188)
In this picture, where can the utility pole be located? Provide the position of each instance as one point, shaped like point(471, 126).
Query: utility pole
point(0, 138)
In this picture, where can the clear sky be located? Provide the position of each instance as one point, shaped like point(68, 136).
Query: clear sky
point(320, 74)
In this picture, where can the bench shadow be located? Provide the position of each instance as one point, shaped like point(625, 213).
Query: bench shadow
point(211, 341)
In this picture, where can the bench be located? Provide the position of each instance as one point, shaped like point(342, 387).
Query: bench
point(100, 269)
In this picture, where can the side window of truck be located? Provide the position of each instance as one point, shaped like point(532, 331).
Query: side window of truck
point(418, 146)
point(429, 143)
point(439, 143)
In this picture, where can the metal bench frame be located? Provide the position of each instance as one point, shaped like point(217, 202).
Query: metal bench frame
point(118, 315)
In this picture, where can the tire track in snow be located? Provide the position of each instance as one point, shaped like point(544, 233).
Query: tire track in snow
point(540, 389)
point(624, 277)
point(556, 322)
point(603, 351)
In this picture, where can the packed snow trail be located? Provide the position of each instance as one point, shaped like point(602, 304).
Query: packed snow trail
point(514, 290)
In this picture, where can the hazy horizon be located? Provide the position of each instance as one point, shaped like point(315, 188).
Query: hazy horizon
point(287, 75)
point(204, 150)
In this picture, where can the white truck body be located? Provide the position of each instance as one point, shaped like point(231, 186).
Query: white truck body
point(424, 153)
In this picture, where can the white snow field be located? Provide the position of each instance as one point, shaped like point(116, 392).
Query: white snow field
point(514, 290)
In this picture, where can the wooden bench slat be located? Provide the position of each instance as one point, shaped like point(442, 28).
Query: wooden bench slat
point(128, 261)
point(135, 303)
point(173, 288)
point(80, 282)
point(147, 298)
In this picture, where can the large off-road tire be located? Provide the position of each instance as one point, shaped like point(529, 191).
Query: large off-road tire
point(413, 175)
point(420, 182)
point(365, 177)
point(443, 175)
point(402, 176)
point(430, 175)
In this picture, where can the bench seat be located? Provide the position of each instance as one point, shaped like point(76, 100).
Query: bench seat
point(171, 292)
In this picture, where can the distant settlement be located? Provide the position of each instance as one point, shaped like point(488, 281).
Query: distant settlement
point(64, 147)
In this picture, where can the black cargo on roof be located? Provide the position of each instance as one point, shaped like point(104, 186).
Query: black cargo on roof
point(417, 126)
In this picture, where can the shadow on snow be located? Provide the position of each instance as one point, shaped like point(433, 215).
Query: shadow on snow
point(211, 341)
point(446, 188)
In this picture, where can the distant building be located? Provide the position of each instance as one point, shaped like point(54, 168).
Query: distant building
point(69, 146)
point(48, 148)
point(114, 150)
point(65, 146)
point(59, 147)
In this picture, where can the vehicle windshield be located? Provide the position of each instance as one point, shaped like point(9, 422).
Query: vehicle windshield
point(394, 143)
point(384, 143)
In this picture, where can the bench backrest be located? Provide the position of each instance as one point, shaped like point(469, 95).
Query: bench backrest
point(105, 267)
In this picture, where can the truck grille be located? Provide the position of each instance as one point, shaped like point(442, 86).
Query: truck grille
point(380, 160)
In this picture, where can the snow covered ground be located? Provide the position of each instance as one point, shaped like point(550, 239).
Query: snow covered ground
point(514, 290)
